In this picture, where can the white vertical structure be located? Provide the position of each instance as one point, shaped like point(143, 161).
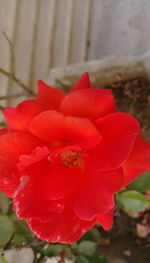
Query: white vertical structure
point(7, 21)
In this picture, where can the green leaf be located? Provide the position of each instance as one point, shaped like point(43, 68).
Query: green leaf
point(6, 229)
point(74, 247)
point(53, 250)
point(4, 203)
point(18, 240)
point(98, 259)
point(22, 228)
point(87, 248)
point(81, 259)
point(2, 126)
point(132, 201)
point(142, 183)
point(92, 235)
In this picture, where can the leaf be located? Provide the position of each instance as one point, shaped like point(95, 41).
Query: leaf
point(87, 248)
point(74, 247)
point(98, 259)
point(142, 183)
point(132, 201)
point(53, 250)
point(22, 228)
point(4, 203)
point(18, 240)
point(6, 229)
point(81, 259)
point(92, 235)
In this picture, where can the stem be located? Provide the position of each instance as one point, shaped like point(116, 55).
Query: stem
point(19, 82)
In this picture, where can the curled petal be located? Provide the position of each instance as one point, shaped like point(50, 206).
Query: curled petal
point(119, 131)
point(89, 103)
point(138, 161)
point(53, 126)
point(38, 154)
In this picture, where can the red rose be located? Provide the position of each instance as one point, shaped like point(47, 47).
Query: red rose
point(62, 158)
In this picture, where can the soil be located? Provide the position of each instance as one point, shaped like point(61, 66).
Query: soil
point(121, 244)
point(133, 96)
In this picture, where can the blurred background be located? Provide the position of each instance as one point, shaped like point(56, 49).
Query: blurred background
point(44, 34)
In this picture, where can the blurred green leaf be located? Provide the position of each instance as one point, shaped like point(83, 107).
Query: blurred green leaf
point(81, 259)
point(53, 250)
point(74, 247)
point(98, 259)
point(92, 235)
point(18, 240)
point(142, 183)
point(4, 203)
point(22, 228)
point(6, 229)
point(87, 248)
point(132, 201)
point(2, 126)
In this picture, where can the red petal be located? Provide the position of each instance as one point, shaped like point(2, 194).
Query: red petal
point(65, 228)
point(53, 126)
point(20, 117)
point(49, 96)
point(12, 145)
point(119, 131)
point(138, 161)
point(29, 200)
point(106, 220)
point(3, 131)
point(38, 154)
point(95, 195)
point(83, 83)
point(90, 103)
point(60, 181)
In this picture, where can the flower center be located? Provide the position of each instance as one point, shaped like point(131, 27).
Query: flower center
point(71, 158)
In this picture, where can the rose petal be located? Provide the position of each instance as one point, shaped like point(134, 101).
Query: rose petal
point(3, 131)
point(95, 195)
point(49, 96)
point(89, 103)
point(83, 83)
point(29, 200)
point(20, 117)
point(65, 228)
point(138, 161)
point(12, 145)
point(53, 126)
point(60, 181)
point(106, 220)
point(119, 131)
